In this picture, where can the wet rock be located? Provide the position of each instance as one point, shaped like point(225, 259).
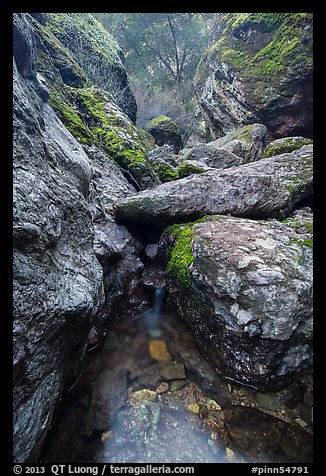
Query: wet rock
point(268, 401)
point(193, 407)
point(294, 395)
point(199, 370)
point(150, 251)
point(245, 288)
point(57, 280)
point(265, 438)
point(174, 371)
point(163, 387)
point(108, 396)
point(270, 187)
point(158, 350)
point(118, 252)
point(141, 396)
point(143, 433)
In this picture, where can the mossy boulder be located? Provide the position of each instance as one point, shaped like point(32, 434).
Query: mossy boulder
point(89, 112)
point(258, 69)
point(267, 188)
point(188, 167)
point(164, 171)
point(165, 131)
point(281, 146)
point(94, 54)
point(244, 287)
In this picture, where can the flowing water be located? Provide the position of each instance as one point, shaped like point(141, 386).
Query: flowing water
point(148, 395)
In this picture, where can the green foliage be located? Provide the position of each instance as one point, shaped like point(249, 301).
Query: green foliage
point(159, 47)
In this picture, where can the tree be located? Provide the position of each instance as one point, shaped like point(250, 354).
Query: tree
point(163, 47)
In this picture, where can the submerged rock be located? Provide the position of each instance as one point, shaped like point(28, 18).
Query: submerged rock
point(108, 396)
point(245, 289)
point(267, 188)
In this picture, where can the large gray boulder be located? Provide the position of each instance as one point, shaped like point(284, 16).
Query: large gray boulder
point(57, 285)
point(239, 147)
point(267, 188)
point(245, 289)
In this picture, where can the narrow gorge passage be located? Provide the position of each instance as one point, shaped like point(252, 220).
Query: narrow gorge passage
point(165, 403)
point(163, 238)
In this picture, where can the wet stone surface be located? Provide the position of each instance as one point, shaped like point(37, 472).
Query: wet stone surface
point(148, 395)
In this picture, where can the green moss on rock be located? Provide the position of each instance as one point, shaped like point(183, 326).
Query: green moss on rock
point(282, 146)
point(186, 169)
point(180, 255)
point(288, 44)
point(166, 173)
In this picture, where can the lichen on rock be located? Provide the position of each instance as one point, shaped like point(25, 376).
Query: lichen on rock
point(245, 288)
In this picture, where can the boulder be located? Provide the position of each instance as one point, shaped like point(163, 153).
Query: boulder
point(239, 147)
point(286, 144)
point(258, 69)
point(245, 289)
point(95, 52)
point(88, 111)
point(57, 280)
point(270, 187)
point(165, 153)
point(165, 131)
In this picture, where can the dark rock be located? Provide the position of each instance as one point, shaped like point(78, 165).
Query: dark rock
point(57, 278)
point(255, 434)
point(294, 395)
point(165, 131)
point(205, 377)
point(23, 45)
point(259, 69)
point(108, 396)
point(245, 289)
point(270, 187)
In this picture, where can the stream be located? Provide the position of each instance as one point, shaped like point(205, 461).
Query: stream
point(147, 395)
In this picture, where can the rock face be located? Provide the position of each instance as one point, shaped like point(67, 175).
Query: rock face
point(165, 131)
point(57, 278)
point(259, 69)
point(70, 49)
point(267, 188)
point(245, 288)
point(94, 50)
